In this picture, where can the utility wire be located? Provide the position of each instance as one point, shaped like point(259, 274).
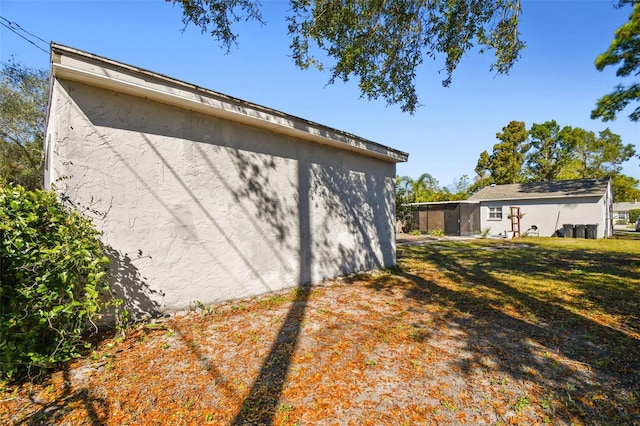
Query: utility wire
point(17, 26)
point(14, 27)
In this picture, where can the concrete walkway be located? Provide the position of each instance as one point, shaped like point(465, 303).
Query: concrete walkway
point(418, 240)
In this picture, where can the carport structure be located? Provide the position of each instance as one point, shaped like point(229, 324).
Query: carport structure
point(452, 217)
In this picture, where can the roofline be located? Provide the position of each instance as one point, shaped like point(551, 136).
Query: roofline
point(191, 97)
point(546, 197)
point(604, 192)
point(433, 203)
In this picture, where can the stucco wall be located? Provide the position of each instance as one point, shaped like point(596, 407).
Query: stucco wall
point(197, 208)
point(548, 215)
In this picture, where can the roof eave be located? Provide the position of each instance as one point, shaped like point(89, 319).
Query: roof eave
point(184, 95)
point(435, 203)
point(545, 197)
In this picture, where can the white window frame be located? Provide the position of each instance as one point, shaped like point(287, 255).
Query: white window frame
point(495, 213)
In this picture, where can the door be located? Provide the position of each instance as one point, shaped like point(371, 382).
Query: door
point(452, 219)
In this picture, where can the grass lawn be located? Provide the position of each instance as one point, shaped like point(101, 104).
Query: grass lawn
point(529, 331)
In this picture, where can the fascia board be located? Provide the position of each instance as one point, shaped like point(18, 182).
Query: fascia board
point(551, 197)
point(437, 203)
point(217, 105)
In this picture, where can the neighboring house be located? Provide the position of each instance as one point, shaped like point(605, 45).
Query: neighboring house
point(621, 211)
point(202, 197)
point(547, 205)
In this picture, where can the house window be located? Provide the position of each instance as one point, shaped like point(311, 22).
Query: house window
point(621, 215)
point(495, 213)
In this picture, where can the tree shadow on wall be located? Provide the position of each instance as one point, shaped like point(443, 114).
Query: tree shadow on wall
point(139, 300)
point(356, 200)
point(337, 198)
point(287, 194)
point(328, 194)
point(127, 284)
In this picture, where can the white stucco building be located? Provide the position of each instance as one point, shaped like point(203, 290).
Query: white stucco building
point(548, 205)
point(202, 197)
point(621, 211)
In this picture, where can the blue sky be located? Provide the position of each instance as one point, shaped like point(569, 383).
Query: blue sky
point(555, 79)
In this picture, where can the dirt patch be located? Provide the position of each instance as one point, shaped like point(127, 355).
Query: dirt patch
point(376, 349)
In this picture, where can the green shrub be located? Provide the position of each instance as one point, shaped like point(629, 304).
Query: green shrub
point(634, 215)
point(436, 232)
point(404, 210)
point(52, 274)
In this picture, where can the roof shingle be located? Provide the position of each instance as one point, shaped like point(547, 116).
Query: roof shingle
point(551, 189)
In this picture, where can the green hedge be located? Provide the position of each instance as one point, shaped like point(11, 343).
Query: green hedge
point(52, 275)
point(634, 215)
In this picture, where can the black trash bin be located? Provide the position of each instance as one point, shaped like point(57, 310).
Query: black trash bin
point(568, 230)
point(579, 231)
point(592, 231)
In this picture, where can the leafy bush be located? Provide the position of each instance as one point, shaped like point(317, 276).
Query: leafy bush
point(404, 211)
point(634, 215)
point(52, 273)
point(436, 233)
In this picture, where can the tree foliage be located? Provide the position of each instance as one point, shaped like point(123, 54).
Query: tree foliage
point(505, 164)
point(594, 155)
point(624, 51)
point(23, 103)
point(460, 188)
point(52, 271)
point(383, 43)
point(404, 198)
point(552, 152)
point(380, 43)
point(427, 189)
point(423, 188)
point(217, 17)
point(625, 188)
